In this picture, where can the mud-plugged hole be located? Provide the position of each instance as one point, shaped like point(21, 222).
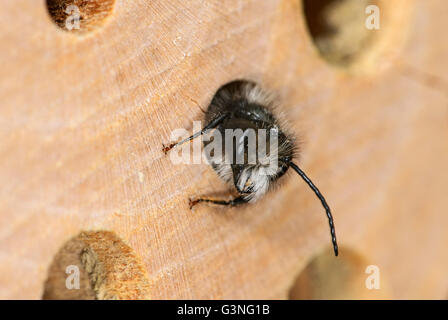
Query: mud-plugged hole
point(96, 265)
point(80, 15)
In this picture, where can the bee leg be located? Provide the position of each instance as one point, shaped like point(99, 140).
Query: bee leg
point(211, 125)
point(231, 203)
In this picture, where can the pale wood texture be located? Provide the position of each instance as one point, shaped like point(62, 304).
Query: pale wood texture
point(83, 118)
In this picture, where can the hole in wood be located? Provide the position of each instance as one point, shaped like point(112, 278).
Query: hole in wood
point(342, 277)
point(80, 15)
point(357, 33)
point(338, 28)
point(96, 265)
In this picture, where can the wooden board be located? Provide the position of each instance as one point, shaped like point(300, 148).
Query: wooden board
point(83, 117)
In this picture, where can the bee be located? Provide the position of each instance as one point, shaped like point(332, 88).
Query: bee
point(245, 107)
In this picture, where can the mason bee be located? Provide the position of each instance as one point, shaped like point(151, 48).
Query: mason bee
point(244, 107)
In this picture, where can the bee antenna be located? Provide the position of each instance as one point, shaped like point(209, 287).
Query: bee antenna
point(324, 203)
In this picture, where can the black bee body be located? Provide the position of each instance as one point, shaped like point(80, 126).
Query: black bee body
point(243, 106)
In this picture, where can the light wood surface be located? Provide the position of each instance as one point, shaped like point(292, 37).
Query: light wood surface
point(83, 117)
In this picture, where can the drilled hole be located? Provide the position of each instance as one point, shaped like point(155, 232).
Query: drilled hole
point(338, 28)
point(96, 265)
point(357, 33)
point(80, 16)
point(342, 277)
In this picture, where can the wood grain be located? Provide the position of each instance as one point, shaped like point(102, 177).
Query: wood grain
point(83, 118)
